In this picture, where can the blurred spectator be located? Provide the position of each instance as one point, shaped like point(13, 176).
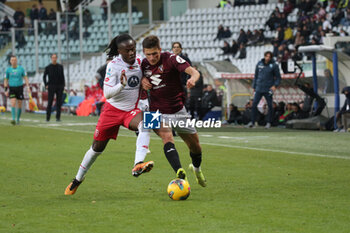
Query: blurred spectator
point(86, 34)
point(242, 38)
point(254, 39)
point(52, 15)
point(104, 9)
point(87, 18)
point(246, 115)
point(17, 14)
point(222, 4)
point(177, 50)
point(19, 22)
point(235, 115)
point(242, 52)
point(329, 82)
point(42, 14)
point(234, 48)
point(209, 100)
point(344, 112)
point(101, 73)
point(271, 22)
point(226, 49)
point(196, 93)
point(267, 78)
point(227, 33)
point(261, 38)
point(343, 33)
point(337, 17)
point(6, 24)
point(74, 33)
point(288, 7)
point(34, 14)
point(221, 33)
point(326, 25)
point(134, 8)
point(346, 20)
point(288, 34)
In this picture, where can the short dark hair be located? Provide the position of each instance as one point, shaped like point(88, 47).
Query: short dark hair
point(13, 56)
point(151, 42)
point(176, 42)
point(53, 54)
point(268, 52)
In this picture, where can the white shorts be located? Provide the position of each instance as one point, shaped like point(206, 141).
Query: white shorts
point(175, 118)
point(143, 105)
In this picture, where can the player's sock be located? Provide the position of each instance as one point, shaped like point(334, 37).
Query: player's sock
point(172, 155)
point(142, 143)
point(88, 160)
point(196, 160)
point(13, 113)
point(19, 111)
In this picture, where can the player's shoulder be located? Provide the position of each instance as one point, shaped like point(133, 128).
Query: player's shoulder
point(116, 63)
point(174, 58)
point(139, 59)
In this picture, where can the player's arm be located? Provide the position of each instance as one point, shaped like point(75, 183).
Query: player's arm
point(6, 85)
point(146, 85)
point(26, 80)
point(114, 82)
point(191, 82)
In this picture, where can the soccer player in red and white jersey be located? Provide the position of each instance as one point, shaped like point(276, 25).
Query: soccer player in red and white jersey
point(121, 89)
point(161, 72)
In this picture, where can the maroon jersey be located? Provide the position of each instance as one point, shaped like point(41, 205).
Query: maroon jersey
point(167, 93)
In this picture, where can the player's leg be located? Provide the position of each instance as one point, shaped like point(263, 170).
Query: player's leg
point(90, 157)
point(13, 110)
point(170, 151)
point(19, 109)
point(142, 144)
point(59, 94)
point(257, 98)
point(268, 98)
point(192, 142)
point(49, 103)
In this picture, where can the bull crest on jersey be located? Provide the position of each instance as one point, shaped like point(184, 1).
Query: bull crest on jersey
point(155, 79)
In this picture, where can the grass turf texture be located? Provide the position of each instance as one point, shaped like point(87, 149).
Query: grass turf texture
point(258, 181)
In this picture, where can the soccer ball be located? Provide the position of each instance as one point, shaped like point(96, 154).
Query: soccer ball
point(2, 109)
point(179, 189)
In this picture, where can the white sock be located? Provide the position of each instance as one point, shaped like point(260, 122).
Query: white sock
point(196, 169)
point(88, 160)
point(142, 143)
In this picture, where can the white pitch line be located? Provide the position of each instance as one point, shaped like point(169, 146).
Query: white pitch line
point(210, 144)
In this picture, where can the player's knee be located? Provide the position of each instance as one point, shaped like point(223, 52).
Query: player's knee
point(99, 146)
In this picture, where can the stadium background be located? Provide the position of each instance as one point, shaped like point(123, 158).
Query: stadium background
point(79, 44)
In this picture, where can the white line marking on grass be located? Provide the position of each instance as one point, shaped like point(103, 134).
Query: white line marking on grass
point(279, 151)
point(205, 143)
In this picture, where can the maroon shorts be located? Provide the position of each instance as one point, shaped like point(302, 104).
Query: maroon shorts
point(110, 120)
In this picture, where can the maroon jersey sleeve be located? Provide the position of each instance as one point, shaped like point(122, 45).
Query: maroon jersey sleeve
point(178, 63)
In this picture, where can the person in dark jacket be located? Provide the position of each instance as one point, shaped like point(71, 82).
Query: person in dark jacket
point(177, 50)
point(344, 112)
point(101, 73)
point(55, 85)
point(267, 78)
point(235, 115)
point(196, 96)
point(209, 100)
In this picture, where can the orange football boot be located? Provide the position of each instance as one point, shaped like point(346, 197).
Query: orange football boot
point(142, 168)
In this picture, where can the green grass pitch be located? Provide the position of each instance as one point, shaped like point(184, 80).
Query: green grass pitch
point(258, 181)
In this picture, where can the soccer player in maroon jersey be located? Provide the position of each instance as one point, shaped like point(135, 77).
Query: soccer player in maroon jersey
point(161, 72)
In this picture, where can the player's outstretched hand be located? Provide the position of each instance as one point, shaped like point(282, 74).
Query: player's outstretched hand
point(7, 93)
point(123, 78)
point(146, 85)
point(190, 83)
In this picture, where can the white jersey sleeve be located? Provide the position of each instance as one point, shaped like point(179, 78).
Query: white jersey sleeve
point(122, 97)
